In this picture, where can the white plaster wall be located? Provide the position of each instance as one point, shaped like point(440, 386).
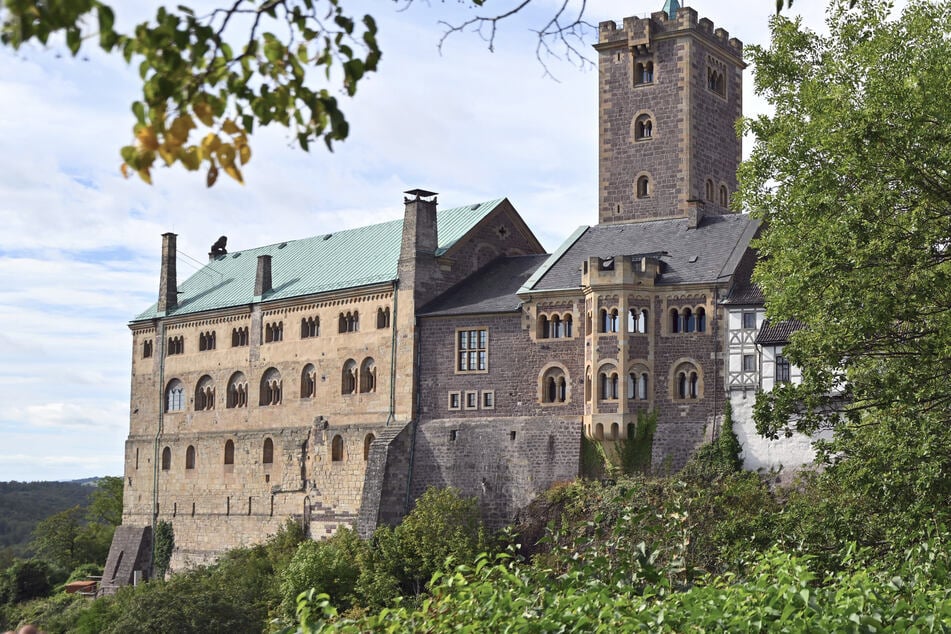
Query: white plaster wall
point(761, 453)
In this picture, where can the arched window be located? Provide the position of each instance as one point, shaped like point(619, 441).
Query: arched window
point(175, 396)
point(336, 449)
point(366, 446)
point(309, 327)
point(687, 382)
point(273, 332)
point(556, 327)
point(643, 128)
point(205, 394)
point(615, 431)
point(701, 319)
point(267, 456)
point(689, 321)
point(724, 197)
point(637, 384)
point(348, 383)
point(271, 386)
point(613, 322)
point(605, 321)
point(599, 431)
point(190, 457)
point(608, 383)
point(587, 325)
point(675, 320)
point(644, 72)
point(587, 385)
point(567, 325)
point(709, 190)
point(383, 317)
point(237, 391)
point(308, 381)
point(368, 375)
point(637, 321)
point(342, 323)
point(554, 385)
point(643, 187)
point(166, 459)
point(544, 328)
point(229, 452)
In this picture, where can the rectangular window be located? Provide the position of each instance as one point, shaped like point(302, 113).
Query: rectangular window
point(749, 321)
point(472, 349)
point(782, 369)
point(488, 399)
point(749, 363)
point(455, 400)
point(472, 400)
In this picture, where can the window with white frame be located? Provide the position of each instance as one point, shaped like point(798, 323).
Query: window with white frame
point(472, 350)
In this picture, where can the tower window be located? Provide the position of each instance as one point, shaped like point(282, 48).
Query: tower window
point(724, 197)
point(644, 72)
point(643, 187)
point(715, 81)
point(643, 128)
point(708, 190)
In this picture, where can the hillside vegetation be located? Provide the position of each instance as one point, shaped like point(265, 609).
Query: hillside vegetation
point(24, 504)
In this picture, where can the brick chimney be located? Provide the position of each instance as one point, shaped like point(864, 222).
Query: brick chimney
point(168, 281)
point(262, 279)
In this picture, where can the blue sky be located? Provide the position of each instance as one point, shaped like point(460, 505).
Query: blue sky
point(80, 246)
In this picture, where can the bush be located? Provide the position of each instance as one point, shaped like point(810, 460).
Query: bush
point(26, 579)
point(331, 567)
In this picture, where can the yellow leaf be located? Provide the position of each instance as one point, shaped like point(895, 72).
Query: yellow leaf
point(210, 143)
point(245, 153)
point(212, 175)
point(190, 158)
point(204, 114)
point(145, 135)
point(226, 155)
point(230, 127)
point(124, 168)
point(145, 175)
point(167, 154)
point(234, 173)
point(178, 133)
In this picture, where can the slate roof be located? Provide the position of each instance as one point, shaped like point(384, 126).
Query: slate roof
point(717, 244)
point(745, 295)
point(491, 290)
point(329, 262)
point(777, 334)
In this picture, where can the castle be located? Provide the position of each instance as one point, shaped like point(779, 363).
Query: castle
point(333, 379)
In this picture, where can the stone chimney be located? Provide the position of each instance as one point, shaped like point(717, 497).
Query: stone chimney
point(262, 280)
point(168, 281)
point(419, 223)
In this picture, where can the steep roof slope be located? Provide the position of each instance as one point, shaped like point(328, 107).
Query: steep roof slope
point(491, 290)
point(708, 253)
point(330, 262)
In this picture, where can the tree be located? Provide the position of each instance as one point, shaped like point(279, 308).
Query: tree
point(209, 79)
point(851, 178)
point(105, 504)
point(55, 539)
point(162, 550)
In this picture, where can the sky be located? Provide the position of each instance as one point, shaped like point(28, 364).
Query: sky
point(80, 245)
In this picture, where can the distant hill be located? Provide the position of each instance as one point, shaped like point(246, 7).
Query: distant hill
point(24, 504)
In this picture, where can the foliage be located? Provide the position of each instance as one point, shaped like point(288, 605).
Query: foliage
point(850, 175)
point(442, 527)
point(83, 571)
point(718, 458)
point(248, 63)
point(25, 504)
point(164, 537)
point(105, 503)
point(781, 593)
point(634, 454)
point(330, 567)
point(594, 461)
point(58, 539)
point(26, 579)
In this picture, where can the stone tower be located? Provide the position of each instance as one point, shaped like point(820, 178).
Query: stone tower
point(671, 91)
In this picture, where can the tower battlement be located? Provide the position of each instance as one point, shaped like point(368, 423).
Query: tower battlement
point(639, 33)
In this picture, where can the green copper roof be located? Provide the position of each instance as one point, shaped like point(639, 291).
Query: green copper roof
point(334, 261)
point(671, 7)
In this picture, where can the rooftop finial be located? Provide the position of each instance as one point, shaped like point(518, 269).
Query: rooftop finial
point(670, 8)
